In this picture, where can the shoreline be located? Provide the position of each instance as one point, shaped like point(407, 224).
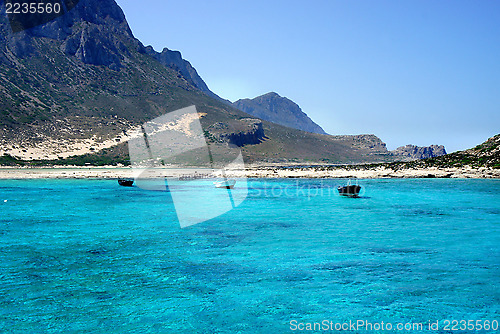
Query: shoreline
point(338, 172)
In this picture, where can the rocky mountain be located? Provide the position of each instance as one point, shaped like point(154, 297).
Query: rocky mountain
point(74, 88)
point(280, 110)
point(412, 152)
point(174, 60)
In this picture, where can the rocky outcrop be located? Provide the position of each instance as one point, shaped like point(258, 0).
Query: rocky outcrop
point(247, 131)
point(280, 110)
point(412, 152)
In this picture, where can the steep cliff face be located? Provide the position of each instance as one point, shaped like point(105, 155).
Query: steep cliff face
point(94, 31)
point(280, 110)
point(174, 60)
point(91, 47)
point(412, 152)
point(248, 131)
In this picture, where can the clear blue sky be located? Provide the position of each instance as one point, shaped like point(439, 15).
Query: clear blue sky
point(420, 72)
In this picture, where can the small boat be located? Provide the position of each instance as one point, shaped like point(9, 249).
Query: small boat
point(349, 190)
point(226, 184)
point(126, 182)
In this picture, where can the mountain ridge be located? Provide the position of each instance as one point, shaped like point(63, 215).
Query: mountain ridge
point(173, 59)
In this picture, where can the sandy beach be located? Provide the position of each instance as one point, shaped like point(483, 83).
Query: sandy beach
point(250, 172)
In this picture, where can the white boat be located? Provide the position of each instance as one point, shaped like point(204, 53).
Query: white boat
point(226, 184)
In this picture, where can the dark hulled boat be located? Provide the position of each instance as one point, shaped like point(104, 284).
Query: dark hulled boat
point(349, 190)
point(126, 182)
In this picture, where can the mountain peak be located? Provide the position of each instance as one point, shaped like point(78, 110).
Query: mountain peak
point(272, 95)
point(97, 12)
point(277, 109)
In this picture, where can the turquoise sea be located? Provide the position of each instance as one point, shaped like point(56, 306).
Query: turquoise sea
point(88, 256)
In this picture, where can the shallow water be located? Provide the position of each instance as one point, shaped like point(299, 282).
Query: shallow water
point(90, 256)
